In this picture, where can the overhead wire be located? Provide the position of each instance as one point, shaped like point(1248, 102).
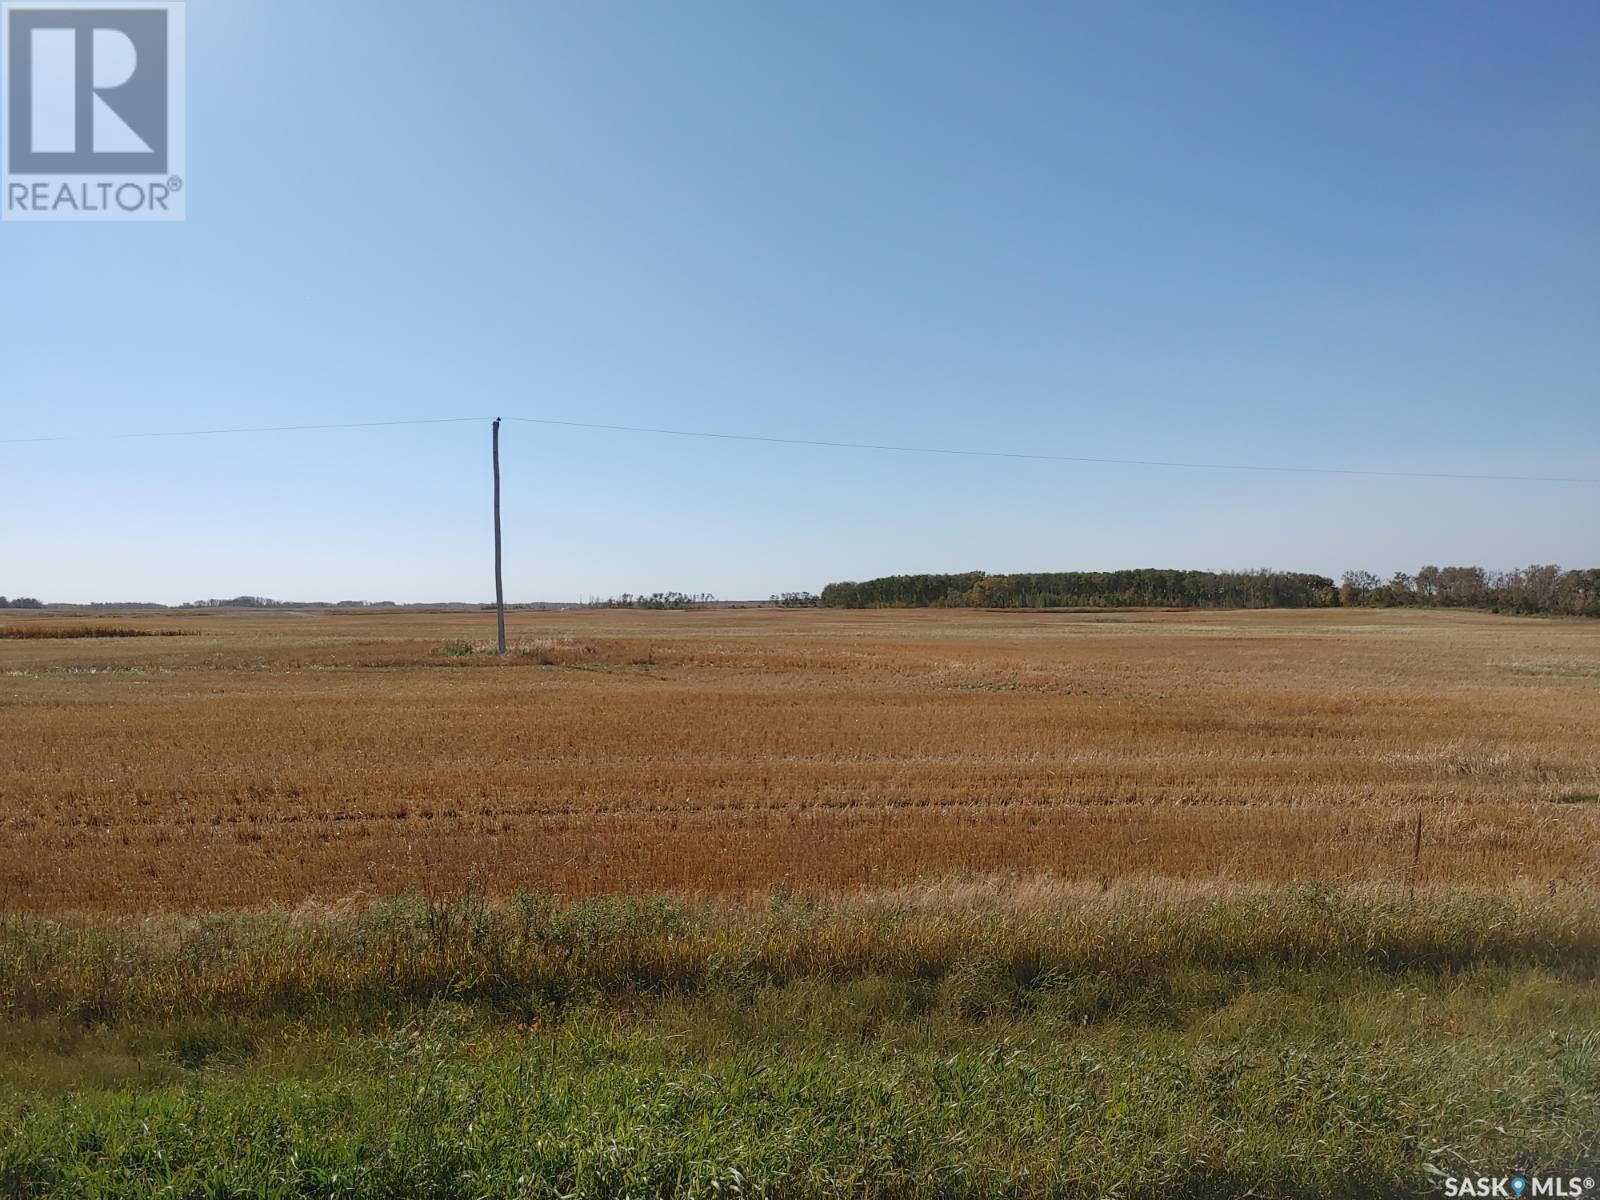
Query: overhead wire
point(820, 443)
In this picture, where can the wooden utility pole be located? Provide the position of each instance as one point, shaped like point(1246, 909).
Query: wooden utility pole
point(499, 584)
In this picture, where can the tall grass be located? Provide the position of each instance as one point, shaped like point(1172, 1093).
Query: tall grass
point(448, 1113)
point(966, 1039)
point(1005, 944)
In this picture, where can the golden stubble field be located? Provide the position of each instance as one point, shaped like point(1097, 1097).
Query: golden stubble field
point(281, 756)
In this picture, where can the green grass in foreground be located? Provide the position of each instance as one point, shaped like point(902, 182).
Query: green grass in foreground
point(963, 1040)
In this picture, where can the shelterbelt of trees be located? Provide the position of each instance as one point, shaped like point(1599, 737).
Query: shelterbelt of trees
point(1536, 589)
point(1088, 589)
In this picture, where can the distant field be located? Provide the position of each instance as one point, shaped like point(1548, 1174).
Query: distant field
point(273, 757)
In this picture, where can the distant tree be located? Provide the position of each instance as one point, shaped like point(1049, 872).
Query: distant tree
point(1542, 583)
point(1463, 587)
point(1358, 587)
point(1400, 590)
point(1427, 584)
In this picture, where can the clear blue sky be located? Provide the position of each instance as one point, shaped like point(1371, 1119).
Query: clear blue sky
point(1350, 235)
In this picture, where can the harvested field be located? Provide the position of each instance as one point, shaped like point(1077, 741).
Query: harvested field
point(804, 904)
point(272, 757)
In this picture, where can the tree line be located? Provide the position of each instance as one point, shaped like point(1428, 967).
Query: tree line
point(21, 602)
point(655, 600)
point(269, 602)
point(1535, 589)
point(1143, 588)
point(1541, 588)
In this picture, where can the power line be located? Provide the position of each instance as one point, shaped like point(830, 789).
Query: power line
point(880, 447)
point(1063, 458)
point(176, 433)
